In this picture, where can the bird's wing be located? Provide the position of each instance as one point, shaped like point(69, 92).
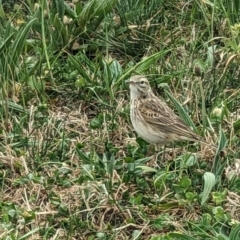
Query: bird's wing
point(161, 118)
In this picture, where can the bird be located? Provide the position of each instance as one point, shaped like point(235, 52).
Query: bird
point(152, 119)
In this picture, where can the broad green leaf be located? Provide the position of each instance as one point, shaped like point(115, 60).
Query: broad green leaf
point(219, 197)
point(218, 167)
point(209, 182)
point(185, 182)
point(201, 65)
point(210, 55)
point(95, 123)
point(191, 160)
point(116, 70)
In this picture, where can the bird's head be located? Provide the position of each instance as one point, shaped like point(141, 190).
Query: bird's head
point(139, 85)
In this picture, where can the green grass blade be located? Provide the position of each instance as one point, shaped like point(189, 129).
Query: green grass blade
point(19, 42)
point(180, 236)
point(143, 65)
point(13, 106)
point(6, 43)
point(236, 126)
point(182, 113)
point(60, 7)
point(94, 9)
point(235, 233)
point(79, 67)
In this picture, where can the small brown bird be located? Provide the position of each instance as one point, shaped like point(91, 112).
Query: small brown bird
point(152, 119)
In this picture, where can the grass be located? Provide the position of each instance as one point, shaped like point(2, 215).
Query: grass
point(71, 165)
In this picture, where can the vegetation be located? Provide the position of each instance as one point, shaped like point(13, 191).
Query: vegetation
point(70, 164)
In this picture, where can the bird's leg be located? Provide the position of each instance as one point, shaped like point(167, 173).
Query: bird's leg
point(157, 149)
point(153, 161)
point(157, 152)
point(164, 149)
point(173, 152)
